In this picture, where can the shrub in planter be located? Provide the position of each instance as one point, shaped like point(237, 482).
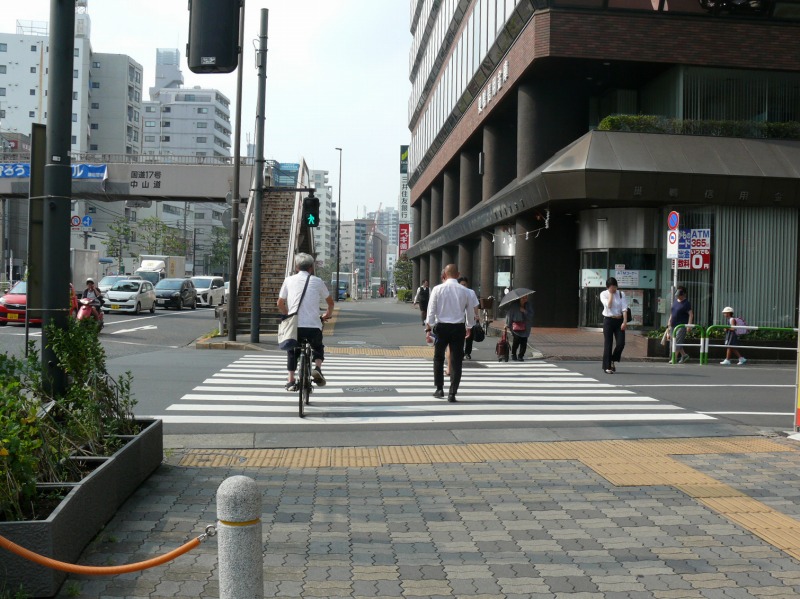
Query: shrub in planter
point(40, 434)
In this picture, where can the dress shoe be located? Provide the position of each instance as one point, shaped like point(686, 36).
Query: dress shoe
point(451, 398)
point(439, 393)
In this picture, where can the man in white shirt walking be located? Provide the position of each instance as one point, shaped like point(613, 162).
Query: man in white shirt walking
point(450, 316)
point(309, 322)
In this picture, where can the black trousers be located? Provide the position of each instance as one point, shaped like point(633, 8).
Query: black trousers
point(613, 337)
point(518, 345)
point(468, 346)
point(314, 337)
point(449, 335)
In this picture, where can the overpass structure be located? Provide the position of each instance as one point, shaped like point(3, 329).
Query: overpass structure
point(138, 178)
point(141, 179)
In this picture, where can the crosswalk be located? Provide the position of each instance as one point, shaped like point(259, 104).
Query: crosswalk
point(368, 390)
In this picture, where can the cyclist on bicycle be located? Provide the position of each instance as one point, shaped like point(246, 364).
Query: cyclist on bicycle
point(309, 323)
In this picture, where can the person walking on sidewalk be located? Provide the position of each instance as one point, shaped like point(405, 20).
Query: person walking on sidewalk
point(464, 281)
point(519, 320)
point(615, 321)
point(422, 297)
point(452, 315)
point(732, 338)
point(681, 313)
point(309, 322)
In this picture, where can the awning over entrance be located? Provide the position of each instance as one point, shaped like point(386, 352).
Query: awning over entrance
point(619, 169)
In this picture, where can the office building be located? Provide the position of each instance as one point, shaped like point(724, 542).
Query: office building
point(325, 234)
point(525, 170)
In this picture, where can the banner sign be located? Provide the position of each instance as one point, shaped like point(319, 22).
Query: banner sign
point(79, 171)
point(694, 249)
point(404, 236)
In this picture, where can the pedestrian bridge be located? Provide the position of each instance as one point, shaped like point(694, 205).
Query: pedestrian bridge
point(138, 178)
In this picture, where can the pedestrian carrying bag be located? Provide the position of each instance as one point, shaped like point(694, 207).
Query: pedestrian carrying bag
point(477, 333)
point(742, 323)
point(518, 326)
point(287, 329)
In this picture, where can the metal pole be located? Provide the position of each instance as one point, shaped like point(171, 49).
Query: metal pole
point(258, 183)
point(339, 226)
point(241, 565)
point(57, 188)
point(234, 257)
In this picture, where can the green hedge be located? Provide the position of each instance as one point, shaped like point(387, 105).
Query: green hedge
point(694, 333)
point(659, 124)
point(405, 295)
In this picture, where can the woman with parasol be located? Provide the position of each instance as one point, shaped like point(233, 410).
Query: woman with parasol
point(519, 320)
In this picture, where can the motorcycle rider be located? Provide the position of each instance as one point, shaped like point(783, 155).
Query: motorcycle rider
point(93, 293)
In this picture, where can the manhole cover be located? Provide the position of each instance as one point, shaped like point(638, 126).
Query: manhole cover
point(369, 389)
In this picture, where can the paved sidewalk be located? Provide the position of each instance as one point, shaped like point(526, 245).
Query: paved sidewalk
point(682, 518)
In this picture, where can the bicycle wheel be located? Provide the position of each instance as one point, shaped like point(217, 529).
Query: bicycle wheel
point(302, 374)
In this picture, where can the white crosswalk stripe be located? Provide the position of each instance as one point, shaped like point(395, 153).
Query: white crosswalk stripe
point(399, 391)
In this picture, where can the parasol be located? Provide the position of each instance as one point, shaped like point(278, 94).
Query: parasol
point(515, 294)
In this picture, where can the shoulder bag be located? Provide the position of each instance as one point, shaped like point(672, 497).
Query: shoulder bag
point(287, 329)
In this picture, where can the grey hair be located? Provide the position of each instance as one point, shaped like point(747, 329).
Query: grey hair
point(303, 261)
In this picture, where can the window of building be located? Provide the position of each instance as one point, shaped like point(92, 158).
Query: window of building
point(201, 140)
point(75, 73)
point(3, 47)
point(135, 136)
point(137, 96)
point(33, 69)
point(74, 117)
point(95, 105)
point(75, 51)
point(94, 126)
point(149, 138)
point(166, 109)
point(2, 114)
point(74, 95)
point(165, 123)
point(202, 111)
point(95, 85)
point(31, 114)
point(199, 215)
point(189, 98)
point(149, 108)
point(136, 115)
point(93, 147)
point(95, 65)
point(73, 140)
point(201, 153)
point(2, 69)
point(202, 125)
point(33, 48)
point(2, 91)
point(149, 123)
point(165, 138)
point(33, 92)
point(138, 76)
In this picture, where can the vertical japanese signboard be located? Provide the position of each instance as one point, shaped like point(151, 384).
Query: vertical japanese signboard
point(404, 237)
point(403, 208)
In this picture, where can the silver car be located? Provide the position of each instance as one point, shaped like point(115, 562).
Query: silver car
point(130, 296)
point(210, 290)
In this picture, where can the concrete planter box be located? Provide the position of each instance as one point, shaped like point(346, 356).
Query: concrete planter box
point(88, 506)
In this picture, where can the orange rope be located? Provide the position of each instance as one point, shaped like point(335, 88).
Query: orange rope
point(96, 570)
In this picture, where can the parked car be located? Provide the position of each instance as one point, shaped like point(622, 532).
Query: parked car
point(107, 282)
point(130, 295)
point(14, 304)
point(176, 293)
point(210, 290)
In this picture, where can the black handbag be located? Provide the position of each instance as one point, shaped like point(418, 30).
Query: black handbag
point(477, 333)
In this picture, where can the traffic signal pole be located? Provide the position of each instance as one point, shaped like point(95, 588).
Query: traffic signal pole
point(258, 183)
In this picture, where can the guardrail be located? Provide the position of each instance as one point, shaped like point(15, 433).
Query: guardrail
point(705, 340)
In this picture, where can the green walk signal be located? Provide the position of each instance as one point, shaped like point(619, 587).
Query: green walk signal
point(311, 210)
point(311, 221)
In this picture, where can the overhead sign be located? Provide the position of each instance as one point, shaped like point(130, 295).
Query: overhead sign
point(672, 245)
point(79, 171)
point(673, 220)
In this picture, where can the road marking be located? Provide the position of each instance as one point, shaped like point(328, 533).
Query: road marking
point(148, 327)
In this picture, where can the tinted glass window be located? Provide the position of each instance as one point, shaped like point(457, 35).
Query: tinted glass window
point(169, 284)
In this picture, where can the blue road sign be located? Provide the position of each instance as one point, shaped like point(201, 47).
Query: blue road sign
point(673, 220)
point(87, 221)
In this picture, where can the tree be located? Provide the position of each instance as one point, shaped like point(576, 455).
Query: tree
point(220, 248)
point(119, 239)
point(403, 270)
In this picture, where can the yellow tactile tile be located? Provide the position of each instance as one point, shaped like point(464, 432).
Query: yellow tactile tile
point(263, 458)
point(499, 452)
point(450, 453)
point(204, 458)
point(709, 490)
point(736, 505)
point(399, 454)
point(306, 457)
point(358, 457)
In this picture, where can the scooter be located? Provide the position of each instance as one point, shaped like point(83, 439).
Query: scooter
point(86, 312)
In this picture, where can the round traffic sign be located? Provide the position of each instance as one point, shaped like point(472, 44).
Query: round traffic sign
point(672, 237)
point(75, 221)
point(673, 220)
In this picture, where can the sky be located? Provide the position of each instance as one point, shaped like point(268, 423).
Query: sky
point(337, 76)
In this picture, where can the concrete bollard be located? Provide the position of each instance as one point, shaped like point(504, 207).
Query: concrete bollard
point(241, 565)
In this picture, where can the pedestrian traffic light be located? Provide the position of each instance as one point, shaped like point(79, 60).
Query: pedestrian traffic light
point(311, 210)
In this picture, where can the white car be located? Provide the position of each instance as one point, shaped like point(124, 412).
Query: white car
point(130, 295)
point(210, 290)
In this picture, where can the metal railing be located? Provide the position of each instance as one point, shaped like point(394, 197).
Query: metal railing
point(93, 158)
point(705, 340)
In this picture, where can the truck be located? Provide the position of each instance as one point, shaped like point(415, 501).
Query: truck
point(153, 268)
point(83, 264)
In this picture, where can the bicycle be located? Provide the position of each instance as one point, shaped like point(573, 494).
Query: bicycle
point(304, 375)
point(486, 305)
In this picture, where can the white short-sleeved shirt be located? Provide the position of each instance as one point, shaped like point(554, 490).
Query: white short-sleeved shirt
point(316, 294)
point(451, 302)
point(620, 303)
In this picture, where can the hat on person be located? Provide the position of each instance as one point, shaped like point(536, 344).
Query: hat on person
point(727, 310)
point(89, 281)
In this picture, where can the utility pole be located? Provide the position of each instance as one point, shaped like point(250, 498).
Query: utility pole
point(57, 188)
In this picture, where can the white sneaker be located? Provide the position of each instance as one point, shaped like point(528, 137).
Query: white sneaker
point(742, 361)
point(726, 362)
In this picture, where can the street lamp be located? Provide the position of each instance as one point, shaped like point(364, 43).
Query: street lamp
point(339, 226)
